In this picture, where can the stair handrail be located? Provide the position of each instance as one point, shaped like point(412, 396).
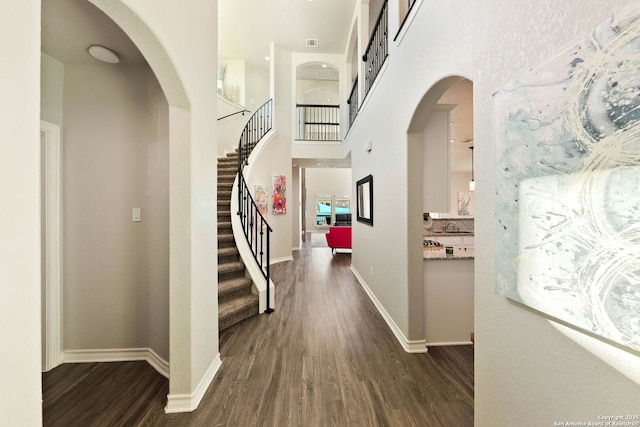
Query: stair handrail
point(258, 125)
point(254, 224)
point(233, 114)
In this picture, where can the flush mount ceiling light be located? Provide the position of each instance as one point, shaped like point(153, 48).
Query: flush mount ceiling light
point(103, 54)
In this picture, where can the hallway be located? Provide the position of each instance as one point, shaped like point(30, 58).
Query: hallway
point(324, 357)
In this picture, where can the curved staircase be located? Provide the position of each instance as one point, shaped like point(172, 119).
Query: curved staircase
point(236, 302)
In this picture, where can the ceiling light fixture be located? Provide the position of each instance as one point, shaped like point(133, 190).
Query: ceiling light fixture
point(103, 54)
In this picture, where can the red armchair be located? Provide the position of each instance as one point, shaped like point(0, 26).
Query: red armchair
point(339, 238)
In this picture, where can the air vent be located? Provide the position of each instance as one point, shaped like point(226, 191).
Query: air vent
point(311, 43)
point(326, 74)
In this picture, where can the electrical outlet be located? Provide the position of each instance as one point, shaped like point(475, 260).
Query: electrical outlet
point(135, 216)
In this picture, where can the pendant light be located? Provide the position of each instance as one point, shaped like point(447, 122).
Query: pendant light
point(472, 183)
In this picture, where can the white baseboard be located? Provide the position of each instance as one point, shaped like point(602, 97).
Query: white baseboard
point(283, 259)
point(189, 402)
point(118, 355)
point(441, 344)
point(418, 346)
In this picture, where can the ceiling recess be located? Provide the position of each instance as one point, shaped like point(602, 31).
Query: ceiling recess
point(312, 43)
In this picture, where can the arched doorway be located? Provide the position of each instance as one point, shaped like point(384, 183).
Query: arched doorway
point(440, 167)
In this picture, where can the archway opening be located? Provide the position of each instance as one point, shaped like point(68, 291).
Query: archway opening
point(440, 214)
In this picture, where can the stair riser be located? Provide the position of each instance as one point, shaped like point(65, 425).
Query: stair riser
point(228, 258)
point(224, 228)
point(230, 275)
point(224, 322)
point(238, 292)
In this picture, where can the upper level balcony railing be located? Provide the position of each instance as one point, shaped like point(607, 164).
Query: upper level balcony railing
point(353, 103)
point(377, 49)
point(406, 13)
point(318, 122)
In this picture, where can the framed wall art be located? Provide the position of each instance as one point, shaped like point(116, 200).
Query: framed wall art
point(364, 200)
point(567, 173)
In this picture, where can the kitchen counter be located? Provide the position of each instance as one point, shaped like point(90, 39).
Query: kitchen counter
point(439, 253)
point(448, 298)
point(429, 234)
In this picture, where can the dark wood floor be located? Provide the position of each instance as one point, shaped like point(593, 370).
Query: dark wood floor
point(325, 357)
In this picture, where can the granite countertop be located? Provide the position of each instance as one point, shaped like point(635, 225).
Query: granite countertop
point(447, 233)
point(431, 253)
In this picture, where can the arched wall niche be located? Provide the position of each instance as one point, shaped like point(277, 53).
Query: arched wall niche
point(167, 35)
point(314, 77)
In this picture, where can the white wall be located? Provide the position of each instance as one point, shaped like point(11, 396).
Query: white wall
point(436, 159)
point(234, 80)
point(296, 208)
point(180, 44)
point(156, 216)
point(251, 82)
point(326, 182)
point(276, 155)
point(115, 158)
point(526, 372)
point(20, 224)
point(51, 89)
point(323, 92)
point(257, 86)
point(459, 183)
point(230, 128)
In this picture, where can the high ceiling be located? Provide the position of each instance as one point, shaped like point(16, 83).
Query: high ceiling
point(246, 28)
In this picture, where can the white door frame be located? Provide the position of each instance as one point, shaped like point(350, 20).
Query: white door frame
point(53, 245)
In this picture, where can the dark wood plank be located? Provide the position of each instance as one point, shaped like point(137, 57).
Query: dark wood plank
point(325, 357)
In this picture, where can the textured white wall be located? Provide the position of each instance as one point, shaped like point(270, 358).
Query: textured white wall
point(527, 373)
point(21, 403)
point(257, 86)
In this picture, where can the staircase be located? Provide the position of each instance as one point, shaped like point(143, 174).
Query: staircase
point(235, 300)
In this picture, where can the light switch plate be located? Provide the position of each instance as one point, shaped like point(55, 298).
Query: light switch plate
point(135, 216)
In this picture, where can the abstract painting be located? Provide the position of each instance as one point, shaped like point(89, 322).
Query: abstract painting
point(261, 199)
point(464, 203)
point(567, 174)
point(279, 194)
